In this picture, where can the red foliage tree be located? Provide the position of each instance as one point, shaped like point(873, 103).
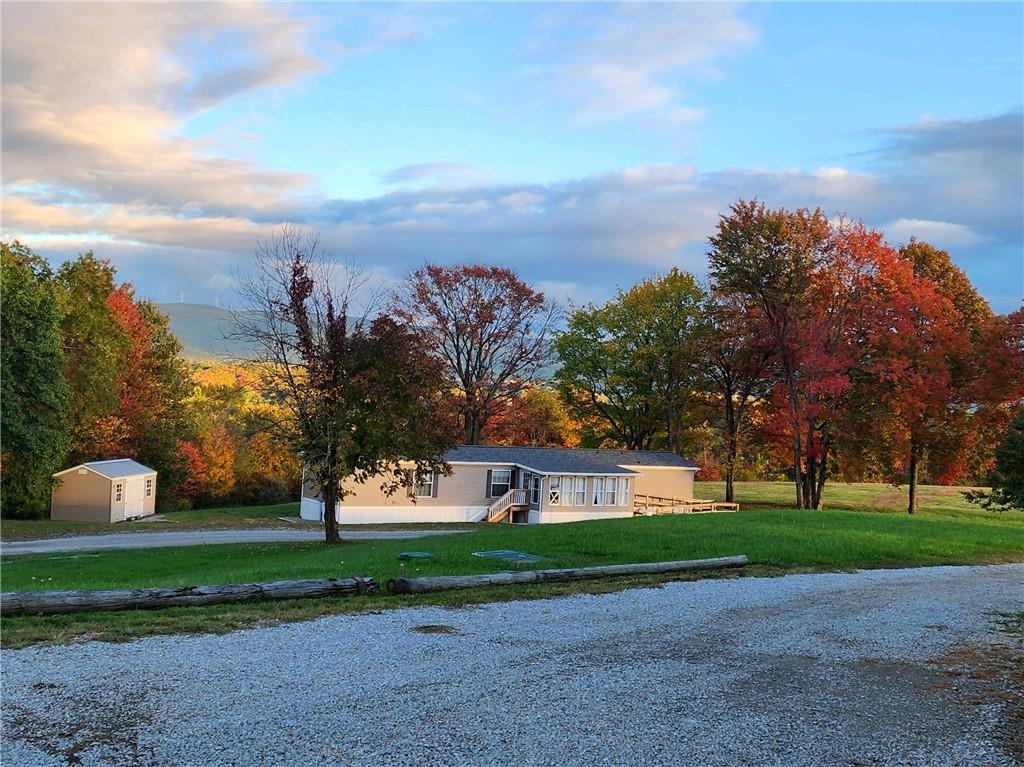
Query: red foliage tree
point(193, 484)
point(491, 328)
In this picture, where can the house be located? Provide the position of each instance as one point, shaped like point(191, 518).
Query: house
point(520, 484)
point(104, 491)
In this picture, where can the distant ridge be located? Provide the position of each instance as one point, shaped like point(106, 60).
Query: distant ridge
point(203, 331)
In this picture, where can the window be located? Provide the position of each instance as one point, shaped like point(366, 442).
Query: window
point(624, 491)
point(598, 491)
point(501, 481)
point(609, 491)
point(118, 492)
point(581, 491)
point(425, 486)
point(554, 491)
point(535, 490)
point(149, 488)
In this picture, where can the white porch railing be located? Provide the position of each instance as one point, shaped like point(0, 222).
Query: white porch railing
point(514, 497)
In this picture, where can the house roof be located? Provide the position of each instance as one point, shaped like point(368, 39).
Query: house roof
point(117, 468)
point(564, 460)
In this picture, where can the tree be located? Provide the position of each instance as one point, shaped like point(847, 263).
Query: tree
point(94, 344)
point(909, 401)
point(153, 383)
point(192, 485)
point(358, 390)
point(767, 260)
point(33, 392)
point(813, 285)
point(1008, 477)
point(950, 371)
point(491, 329)
point(535, 417)
point(632, 365)
point(736, 366)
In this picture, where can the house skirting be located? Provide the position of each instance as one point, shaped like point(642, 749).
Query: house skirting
point(548, 516)
point(312, 509)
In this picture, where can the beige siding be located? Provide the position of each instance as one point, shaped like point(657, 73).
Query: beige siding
point(666, 483)
point(465, 486)
point(149, 504)
point(84, 497)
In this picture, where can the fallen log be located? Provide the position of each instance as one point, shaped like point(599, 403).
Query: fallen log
point(443, 582)
point(58, 602)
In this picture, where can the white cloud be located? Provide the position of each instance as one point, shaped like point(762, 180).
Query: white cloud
point(630, 60)
point(939, 233)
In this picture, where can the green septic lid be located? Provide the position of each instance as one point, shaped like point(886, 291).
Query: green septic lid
point(508, 555)
point(415, 555)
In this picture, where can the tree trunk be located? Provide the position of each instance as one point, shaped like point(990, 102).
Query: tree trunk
point(63, 602)
point(731, 427)
point(797, 451)
point(912, 480)
point(442, 582)
point(730, 468)
point(819, 488)
point(330, 490)
point(473, 426)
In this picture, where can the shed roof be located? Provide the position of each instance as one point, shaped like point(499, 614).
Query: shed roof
point(557, 460)
point(116, 468)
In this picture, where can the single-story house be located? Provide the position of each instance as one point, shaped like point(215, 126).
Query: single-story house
point(518, 484)
point(104, 491)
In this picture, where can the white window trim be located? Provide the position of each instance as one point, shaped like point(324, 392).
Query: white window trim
point(611, 488)
point(149, 488)
point(422, 481)
point(506, 485)
point(555, 493)
point(118, 492)
point(597, 499)
point(579, 487)
point(623, 491)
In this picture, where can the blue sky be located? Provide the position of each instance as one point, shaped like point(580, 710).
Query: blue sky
point(588, 145)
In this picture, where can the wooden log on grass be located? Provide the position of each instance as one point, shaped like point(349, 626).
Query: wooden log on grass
point(443, 582)
point(58, 602)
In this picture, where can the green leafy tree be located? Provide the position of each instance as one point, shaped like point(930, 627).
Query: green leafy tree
point(632, 365)
point(737, 374)
point(33, 392)
point(1008, 478)
point(94, 346)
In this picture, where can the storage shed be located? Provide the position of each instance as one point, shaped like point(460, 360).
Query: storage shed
point(104, 491)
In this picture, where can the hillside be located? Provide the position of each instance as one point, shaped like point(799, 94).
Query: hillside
point(203, 331)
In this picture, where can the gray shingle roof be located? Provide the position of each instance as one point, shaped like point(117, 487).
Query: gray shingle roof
point(555, 460)
point(121, 467)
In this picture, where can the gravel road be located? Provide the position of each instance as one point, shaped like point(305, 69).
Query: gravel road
point(147, 540)
point(818, 670)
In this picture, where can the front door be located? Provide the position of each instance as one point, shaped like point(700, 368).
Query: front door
point(133, 492)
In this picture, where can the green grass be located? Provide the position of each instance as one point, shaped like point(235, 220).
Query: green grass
point(947, 531)
point(858, 496)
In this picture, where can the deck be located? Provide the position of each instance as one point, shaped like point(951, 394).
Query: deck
point(644, 505)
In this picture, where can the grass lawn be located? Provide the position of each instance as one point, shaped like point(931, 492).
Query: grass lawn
point(857, 496)
point(946, 531)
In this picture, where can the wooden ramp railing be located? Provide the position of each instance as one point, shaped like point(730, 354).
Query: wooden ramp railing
point(657, 504)
point(516, 497)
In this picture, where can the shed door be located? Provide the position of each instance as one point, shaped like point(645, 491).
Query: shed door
point(134, 489)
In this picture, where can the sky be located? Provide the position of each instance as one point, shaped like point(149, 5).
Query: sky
point(587, 146)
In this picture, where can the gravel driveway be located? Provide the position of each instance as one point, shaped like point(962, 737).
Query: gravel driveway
point(147, 540)
point(804, 670)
